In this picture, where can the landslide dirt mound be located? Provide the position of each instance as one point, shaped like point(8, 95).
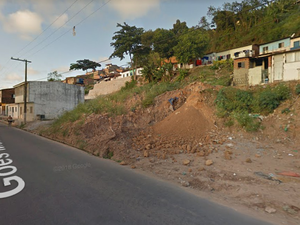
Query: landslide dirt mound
point(192, 120)
point(187, 122)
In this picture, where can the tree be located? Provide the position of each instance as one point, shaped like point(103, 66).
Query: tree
point(126, 41)
point(54, 76)
point(84, 64)
point(191, 45)
point(163, 42)
point(180, 27)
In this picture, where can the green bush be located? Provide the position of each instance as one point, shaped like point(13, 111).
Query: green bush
point(182, 74)
point(268, 99)
point(158, 89)
point(237, 104)
point(232, 99)
point(247, 121)
point(129, 85)
point(282, 91)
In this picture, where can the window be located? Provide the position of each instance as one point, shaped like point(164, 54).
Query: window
point(296, 44)
point(265, 49)
point(21, 111)
point(16, 109)
point(31, 109)
point(290, 57)
point(281, 45)
point(297, 56)
point(241, 65)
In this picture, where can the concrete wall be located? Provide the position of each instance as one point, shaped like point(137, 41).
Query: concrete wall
point(53, 98)
point(255, 75)
point(107, 87)
point(291, 71)
point(240, 77)
point(50, 99)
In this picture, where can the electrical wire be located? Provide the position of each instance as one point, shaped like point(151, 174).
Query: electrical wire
point(65, 24)
point(40, 34)
point(59, 27)
point(70, 29)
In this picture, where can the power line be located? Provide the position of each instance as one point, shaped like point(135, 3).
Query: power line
point(48, 26)
point(69, 71)
point(59, 28)
point(64, 24)
point(41, 33)
point(72, 28)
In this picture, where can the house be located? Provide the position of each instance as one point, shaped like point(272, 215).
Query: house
point(45, 99)
point(128, 73)
point(109, 72)
point(177, 65)
point(7, 96)
point(276, 61)
point(245, 51)
point(83, 80)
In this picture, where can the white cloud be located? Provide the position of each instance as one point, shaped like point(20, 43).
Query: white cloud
point(132, 9)
point(61, 69)
point(14, 77)
point(60, 20)
point(25, 23)
point(32, 71)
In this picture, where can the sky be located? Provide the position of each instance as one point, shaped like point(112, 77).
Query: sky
point(41, 31)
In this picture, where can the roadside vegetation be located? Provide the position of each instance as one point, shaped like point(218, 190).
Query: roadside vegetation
point(246, 107)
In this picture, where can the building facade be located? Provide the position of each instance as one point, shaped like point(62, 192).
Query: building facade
point(45, 99)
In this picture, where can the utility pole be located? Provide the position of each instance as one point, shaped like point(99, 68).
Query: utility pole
point(25, 86)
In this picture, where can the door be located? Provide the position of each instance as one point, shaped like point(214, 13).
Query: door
point(278, 67)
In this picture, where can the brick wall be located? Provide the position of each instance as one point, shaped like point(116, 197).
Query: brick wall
point(246, 62)
point(7, 95)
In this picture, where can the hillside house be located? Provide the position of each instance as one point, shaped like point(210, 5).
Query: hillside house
point(109, 72)
point(7, 96)
point(177, 65)
point(277, 61)
point(128, 73)
point(45, 99)
point(83, 80)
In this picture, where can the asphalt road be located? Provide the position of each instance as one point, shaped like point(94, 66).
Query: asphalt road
point(64, 185)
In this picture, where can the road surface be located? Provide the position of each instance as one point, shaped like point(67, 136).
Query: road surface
point(63, 185)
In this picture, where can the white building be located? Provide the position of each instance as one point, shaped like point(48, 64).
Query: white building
point(45, 99)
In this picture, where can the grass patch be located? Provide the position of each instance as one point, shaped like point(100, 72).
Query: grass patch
point(157, 90)
point(220, 73)
point(297, 89)
point(238, 105)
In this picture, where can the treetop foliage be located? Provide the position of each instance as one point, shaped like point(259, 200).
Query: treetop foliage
point(84, 64)
point(233, 25)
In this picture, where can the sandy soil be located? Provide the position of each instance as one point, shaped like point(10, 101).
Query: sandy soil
point(188, 145)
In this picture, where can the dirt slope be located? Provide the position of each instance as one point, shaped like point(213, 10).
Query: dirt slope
point(188, 145)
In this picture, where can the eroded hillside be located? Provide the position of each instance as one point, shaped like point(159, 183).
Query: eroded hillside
point(186, 143)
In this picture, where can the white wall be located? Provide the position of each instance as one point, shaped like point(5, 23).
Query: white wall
point(53, 98)
point(291, 71)
point(107, 87)
point(49, 98)
point(255, 75)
